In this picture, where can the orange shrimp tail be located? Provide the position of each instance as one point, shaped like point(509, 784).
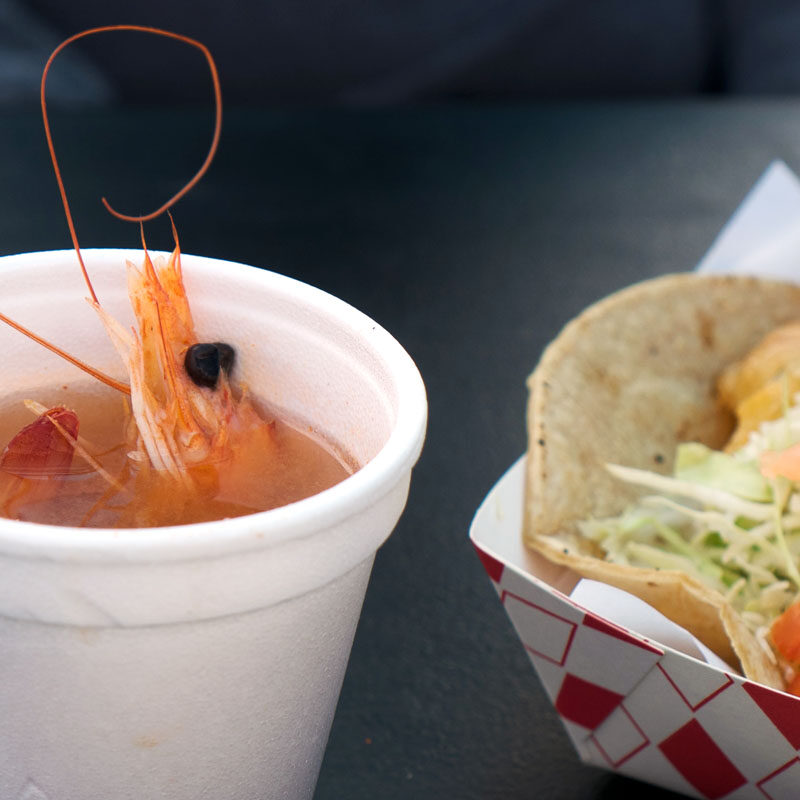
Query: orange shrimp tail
point(35, 462)
point(39, 449)
point(178, 195)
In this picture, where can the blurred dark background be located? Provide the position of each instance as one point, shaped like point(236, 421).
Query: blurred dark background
point(389, 52)
point(473, 234)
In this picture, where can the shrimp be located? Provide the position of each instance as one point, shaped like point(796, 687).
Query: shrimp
point(194, 434)
point(184, 431)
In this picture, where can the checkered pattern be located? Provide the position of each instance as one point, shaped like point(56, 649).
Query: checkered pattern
point(637, 708)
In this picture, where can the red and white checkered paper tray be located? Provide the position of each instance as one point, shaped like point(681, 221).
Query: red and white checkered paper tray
point(629, 704)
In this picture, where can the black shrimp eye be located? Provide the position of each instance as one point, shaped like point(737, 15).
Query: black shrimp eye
point(204, 361)
point(227, 356)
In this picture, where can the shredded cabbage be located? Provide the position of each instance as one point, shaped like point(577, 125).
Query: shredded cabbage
point(718, 519)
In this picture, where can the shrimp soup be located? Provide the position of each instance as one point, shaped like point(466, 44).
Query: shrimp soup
point(105, 486)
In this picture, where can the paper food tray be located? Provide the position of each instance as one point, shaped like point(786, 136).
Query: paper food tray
point(629, 704)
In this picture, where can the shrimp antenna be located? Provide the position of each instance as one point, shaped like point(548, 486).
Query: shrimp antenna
point(174, 199)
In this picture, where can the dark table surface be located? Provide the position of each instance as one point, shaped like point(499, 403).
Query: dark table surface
point(473, 235)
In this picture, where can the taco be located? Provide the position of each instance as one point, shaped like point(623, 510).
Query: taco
point(634, 381)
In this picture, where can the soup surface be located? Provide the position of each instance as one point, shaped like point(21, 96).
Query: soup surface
point(297, 463)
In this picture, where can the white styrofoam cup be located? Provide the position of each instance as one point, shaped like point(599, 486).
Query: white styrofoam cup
point(198, 662)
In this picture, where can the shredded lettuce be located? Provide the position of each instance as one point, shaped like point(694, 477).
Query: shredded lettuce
point(718, 519)
point(696, 463)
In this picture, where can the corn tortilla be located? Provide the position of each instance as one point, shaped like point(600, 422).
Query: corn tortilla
point(625, 382)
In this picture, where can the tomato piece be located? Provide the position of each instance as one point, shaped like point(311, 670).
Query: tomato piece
point(785, 634)
point(794, 685)
point(781, 462)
